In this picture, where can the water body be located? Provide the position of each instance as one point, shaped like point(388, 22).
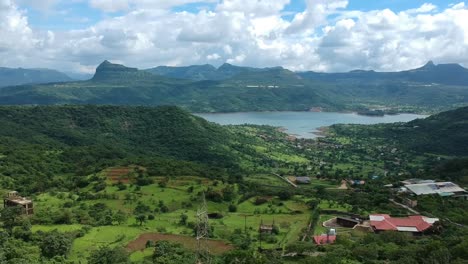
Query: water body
point(303, 124)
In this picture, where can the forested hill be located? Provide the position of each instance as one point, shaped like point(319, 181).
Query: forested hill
point(38, 142)
point(10, 76)
point(166, 131)
point(445, 133)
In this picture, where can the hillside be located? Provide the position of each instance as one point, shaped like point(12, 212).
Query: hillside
point(10, 77)
point(80, 140)
point(443, 134)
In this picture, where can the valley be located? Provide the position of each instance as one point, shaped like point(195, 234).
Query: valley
point(130, 191)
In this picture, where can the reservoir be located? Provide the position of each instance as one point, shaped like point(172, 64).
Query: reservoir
point(303, 124)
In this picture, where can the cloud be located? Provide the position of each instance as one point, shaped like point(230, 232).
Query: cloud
point(110, 5)
point(324, 37)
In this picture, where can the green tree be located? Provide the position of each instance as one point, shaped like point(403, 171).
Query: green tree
point(141, 218)
point(166, 252)
point(106, 255)
point(55, 243)
point(120, 217)
point(10, 216)
point(183, 219)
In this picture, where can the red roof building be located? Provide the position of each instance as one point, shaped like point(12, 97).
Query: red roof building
point(324, 239)
point(413, 223)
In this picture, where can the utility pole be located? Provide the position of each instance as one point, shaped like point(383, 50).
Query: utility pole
point(203, 253)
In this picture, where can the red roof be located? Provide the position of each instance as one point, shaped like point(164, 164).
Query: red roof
point(322, 239)
point(385, 222)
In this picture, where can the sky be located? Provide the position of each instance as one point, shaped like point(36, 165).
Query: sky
point(301, 35)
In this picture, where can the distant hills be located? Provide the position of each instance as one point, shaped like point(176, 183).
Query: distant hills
point(10, 76)
point(204, 88)
point(446, 74)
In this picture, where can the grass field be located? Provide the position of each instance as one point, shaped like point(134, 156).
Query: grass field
point(291, 216)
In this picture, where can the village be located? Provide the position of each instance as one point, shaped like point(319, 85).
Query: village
point(166, 209)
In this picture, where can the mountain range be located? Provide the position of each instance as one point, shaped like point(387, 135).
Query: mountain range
point(10, 76)
point(229, 88)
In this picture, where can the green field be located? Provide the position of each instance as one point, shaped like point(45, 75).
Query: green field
point(291, 216)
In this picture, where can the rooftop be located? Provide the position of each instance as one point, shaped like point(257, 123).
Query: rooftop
point(19, 200)
point(413, 223)
point(323, 239)
point(441, 188)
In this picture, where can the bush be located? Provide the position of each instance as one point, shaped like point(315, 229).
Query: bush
point(232, 208)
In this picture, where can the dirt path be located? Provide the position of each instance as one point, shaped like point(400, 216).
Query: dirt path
point(285, 179)
point(343, 185)
point(215, 246)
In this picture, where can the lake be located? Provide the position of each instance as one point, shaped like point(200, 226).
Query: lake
point(303, 124)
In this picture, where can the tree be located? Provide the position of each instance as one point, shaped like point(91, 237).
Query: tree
point(120, 217)
point(141, 218)
point(55, 244)
point(106, 255)
point(10, 216)
point(166, 252)
point(232, 208)
point(183, 219)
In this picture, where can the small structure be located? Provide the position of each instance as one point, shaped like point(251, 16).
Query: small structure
point(266, 229)
point(13, 199)
point(347, 222)
point(357, 182)
point(324, 239)
point(303, 180)
point(415, 224)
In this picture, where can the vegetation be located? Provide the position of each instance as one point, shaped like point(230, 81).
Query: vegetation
point(114, 184)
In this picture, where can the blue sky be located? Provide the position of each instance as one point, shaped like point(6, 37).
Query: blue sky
point(77, 15)
point(319, 35)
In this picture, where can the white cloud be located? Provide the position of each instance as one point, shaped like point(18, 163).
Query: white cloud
point(324, 37)
point(110, 5)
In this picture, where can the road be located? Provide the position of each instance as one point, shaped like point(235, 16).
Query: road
point(285, 179)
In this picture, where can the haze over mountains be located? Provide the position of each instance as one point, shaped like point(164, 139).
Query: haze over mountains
point(204, 88)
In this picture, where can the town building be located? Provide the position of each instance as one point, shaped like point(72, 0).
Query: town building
point(440, 188)
point(14, 199)
point(416, 224)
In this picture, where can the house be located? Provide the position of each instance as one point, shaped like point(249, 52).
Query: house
point(324, 239)
point(14, 199)
point(415, 224)
point(303, 180)
point(440, 188)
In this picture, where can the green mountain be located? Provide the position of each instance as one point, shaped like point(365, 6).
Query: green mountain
point(10, 77)
point(204, 72)
point(445, 133)
point(250, 89)
point(120, 85)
